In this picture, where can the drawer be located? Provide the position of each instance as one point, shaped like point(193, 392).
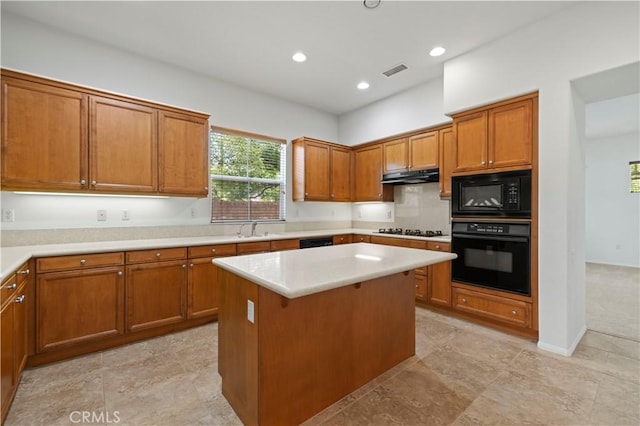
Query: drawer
point(8, 289)
point(421, 287)
point(23, 273)
point(497, 308)
point(437, 246)
point(278, 245)
point(255, 247)
point(213, 251)
point(399, 242)
point(342, 239)
point(80, 261)
point(142, 256)
point(361, 238)
point(421, 271)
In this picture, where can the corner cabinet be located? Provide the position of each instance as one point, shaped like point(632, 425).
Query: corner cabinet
point(321, 171)
point(368, 167)
point(66, 138)
point(496, 137)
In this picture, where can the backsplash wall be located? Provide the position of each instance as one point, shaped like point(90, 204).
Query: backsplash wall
point(414, 207)
point(420, 207)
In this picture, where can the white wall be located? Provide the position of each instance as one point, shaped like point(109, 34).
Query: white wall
point(612, 214)
point(32, 48)
point(584, 39)
point(416, 108)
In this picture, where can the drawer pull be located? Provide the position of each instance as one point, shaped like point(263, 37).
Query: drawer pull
point(464, 300)
point(119, 273)
point(12, 286)
point(184, 265)
point(25, 272)
point(513, 313)
point(157, 254)
point(191, 265)
point(82, 261)
point(20, 299)
point(213, 250)
point(437, 247)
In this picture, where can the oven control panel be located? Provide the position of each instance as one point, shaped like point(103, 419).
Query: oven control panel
point(488, 228)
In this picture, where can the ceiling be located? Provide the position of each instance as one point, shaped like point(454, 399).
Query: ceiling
point(251, 43)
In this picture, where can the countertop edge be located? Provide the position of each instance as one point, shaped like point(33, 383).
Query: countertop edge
point(11, 258)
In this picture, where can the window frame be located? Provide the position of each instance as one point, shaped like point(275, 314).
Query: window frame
point(280, 182)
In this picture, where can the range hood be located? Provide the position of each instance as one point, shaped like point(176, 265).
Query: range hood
point(411, 177)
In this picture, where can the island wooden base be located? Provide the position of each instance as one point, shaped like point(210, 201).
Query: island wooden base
point(302, 355)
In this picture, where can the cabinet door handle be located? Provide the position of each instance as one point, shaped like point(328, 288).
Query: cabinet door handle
point(379, 195)
point(83, 182)
point(20, 299)
point(490, 161)
point(437, 247)
point(94, 183)
point(206, 188)
point(184, 265)
point(191, 265)
point(464, 300)
point(482, 162)
point(83, 262)
point(119, 273)
point(25, 272)
point(12, 286)
point(306, 193)
point(513, 313)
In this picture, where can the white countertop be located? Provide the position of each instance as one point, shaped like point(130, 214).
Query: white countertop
point(11, 258)
point(299, 273)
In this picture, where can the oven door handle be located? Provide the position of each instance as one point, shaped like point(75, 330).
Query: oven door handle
point(492, 237)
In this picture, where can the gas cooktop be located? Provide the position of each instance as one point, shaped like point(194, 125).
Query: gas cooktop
point(412, 232)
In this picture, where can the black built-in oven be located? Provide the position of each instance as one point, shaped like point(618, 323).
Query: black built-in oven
point(492, 255)
point(505, 194)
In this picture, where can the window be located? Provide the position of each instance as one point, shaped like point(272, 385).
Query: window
point(247, 176)
point(634, 176)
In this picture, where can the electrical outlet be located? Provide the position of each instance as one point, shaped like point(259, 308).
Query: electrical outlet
point(389, 214)
point(125, 215)
point(8, 215)
point(102, 215)
point(193, 212)
point(250, 312)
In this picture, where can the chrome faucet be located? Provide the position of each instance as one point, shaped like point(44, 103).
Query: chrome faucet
point(239, 233)
point(253, 228)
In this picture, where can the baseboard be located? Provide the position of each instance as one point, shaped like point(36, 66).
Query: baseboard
point(564, 351)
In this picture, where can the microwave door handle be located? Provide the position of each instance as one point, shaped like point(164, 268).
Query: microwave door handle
point(491, 237)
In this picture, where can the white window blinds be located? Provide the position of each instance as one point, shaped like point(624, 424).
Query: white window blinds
point(247, 176)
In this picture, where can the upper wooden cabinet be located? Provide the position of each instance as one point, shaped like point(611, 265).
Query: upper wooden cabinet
point(499, 136)
point(123, 144)
point(445, 149)
point(321, 171)
point(368, 169)
point(418, 152)
point(44, 136)
point(183, 154)
point(60, 137)
point(396, 155)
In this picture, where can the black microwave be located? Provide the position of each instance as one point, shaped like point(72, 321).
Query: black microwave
point(506, 194)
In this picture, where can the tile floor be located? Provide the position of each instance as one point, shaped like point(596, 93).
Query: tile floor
point(461, 374)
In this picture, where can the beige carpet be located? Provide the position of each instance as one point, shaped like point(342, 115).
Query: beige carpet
point(613, 300)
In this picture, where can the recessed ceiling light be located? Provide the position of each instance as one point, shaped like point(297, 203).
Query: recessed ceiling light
point(363, 85)
point(437, 51)
point(299, 57)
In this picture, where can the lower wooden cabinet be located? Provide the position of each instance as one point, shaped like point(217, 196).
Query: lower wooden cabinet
point(16, 297)
point(439, 284)
point(357, 238)
point(494, 307)
point(77, 306)
point(281, 245)
point(203, 297)
point(156, 294)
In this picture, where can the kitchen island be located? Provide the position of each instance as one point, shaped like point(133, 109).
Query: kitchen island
point(298, 330)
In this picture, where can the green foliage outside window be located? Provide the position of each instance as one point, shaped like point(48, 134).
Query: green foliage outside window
point(247, 178)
